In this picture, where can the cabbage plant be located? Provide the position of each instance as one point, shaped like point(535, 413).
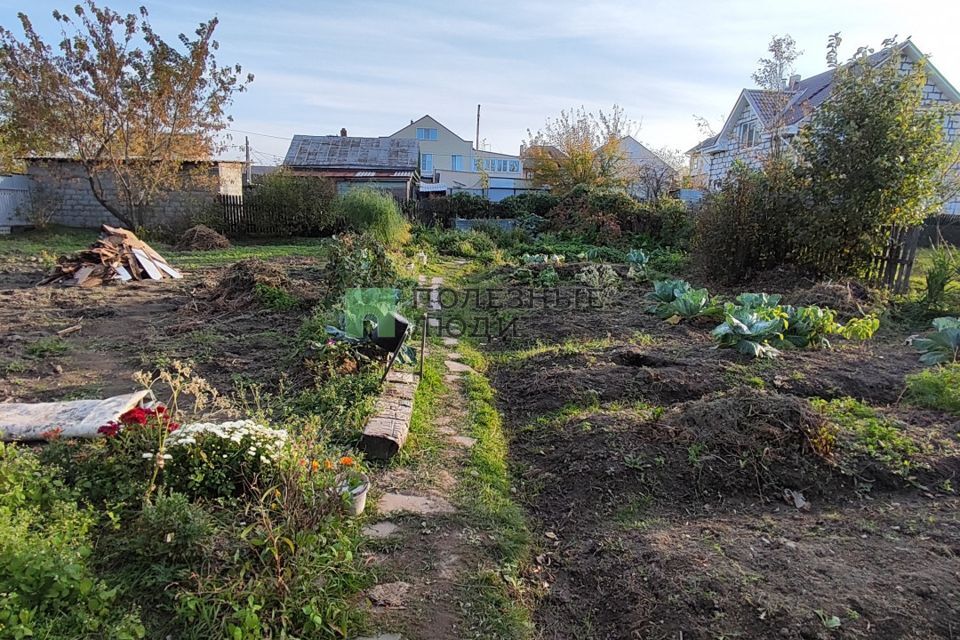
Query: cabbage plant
point(943, 345)
point(750, 334)
point(758, 300)
point(690, 304)
point(666, 291)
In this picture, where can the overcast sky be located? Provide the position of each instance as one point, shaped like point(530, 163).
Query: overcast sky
point(372, 66)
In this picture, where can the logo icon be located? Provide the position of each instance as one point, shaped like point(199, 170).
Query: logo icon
point(369, 310)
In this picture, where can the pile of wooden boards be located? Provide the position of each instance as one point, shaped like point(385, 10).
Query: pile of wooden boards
point(117, 255)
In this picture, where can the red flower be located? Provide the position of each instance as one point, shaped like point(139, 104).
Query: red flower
point(110, 429)
point(172, 426)
point(137, 415)
point(160, 410)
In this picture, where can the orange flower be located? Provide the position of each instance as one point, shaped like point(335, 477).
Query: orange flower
point(314, 465)
point(327, 465)
point(346, 461)
point(303, 462)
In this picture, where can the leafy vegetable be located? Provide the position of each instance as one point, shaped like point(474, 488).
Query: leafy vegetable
point(542, 258)
point(861, 328)
point(943, 345)
point(750, 334)
point(666, 291)
point(688, 305)
point(637, 258)
point(758, 300)
point(810, 326)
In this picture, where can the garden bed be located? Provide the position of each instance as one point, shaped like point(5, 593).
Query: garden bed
point(655, 468)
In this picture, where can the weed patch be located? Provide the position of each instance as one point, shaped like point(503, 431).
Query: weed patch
point(936, 388)
point(47, 348)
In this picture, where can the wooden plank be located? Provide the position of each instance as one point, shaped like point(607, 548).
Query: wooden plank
point(123, 274)
point(81, 276)
point(148, 265)
point(170, 271)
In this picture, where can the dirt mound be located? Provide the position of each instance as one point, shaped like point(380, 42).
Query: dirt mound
point(753, 440)
point(241, 282)
point(201, 238)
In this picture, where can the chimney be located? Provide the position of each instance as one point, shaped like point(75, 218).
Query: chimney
point(343, 132)
point(794, 81)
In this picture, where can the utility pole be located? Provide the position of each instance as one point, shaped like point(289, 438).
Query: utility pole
point(476, 142)
point(246, 140)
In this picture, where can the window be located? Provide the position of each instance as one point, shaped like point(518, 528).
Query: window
point(426, 163)
point(514, 166)
point(456, 163)
point(426, 133)
point(748, 134)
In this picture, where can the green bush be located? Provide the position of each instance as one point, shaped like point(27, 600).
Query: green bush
point(171, 530)
point(286, 204)
point(747, 225)
point(358, 261)
point(47, 588)
point(442, 210)
point(535, 203)
point(601, 215)
point(374, 213)
point(936, 388)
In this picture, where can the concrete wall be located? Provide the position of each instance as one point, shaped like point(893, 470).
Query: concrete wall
point(66, 182)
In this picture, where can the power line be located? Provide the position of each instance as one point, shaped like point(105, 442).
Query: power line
point(255, 133)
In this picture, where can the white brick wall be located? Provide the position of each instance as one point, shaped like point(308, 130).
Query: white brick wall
point(719, 163)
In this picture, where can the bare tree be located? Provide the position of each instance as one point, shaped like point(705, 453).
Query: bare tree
point(131, 115)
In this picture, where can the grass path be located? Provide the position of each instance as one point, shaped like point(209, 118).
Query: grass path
point(448, 540)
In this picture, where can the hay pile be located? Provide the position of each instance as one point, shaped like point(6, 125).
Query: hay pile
point(753, 441)
point(849, 298)
point(201, 238)
point(237, 286)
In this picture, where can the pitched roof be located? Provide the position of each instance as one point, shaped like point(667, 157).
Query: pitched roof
point(703, 144)
point(350, 152)
point(808, 94)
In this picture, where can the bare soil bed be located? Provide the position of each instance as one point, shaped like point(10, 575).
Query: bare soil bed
point(143, 326)
point(658, 472)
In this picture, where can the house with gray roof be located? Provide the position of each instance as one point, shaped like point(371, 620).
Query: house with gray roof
point(388, 164)
point(760, 116)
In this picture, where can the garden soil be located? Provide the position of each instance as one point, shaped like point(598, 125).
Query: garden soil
point(661, 475)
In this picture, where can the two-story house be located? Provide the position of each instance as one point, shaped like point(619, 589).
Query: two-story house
point(760, 119)
point(449, 164)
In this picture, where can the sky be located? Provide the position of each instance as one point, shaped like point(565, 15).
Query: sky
point(373, 66)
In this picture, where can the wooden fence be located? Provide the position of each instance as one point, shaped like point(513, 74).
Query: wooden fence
point(241, 216)
point(891, 268)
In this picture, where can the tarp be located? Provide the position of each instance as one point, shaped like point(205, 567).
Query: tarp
point(75, 419)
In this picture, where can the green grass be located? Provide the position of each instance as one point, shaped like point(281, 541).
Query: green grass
point(56, 241)
point(424, 443)
point(862, 431)
point(275, 298)
point(264, 249)
point(495, 594)
point(936, 388)
point(46, 347)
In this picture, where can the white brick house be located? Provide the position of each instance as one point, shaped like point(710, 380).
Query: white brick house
point(749, 130)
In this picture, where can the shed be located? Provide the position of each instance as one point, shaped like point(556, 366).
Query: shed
point(389, 164)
